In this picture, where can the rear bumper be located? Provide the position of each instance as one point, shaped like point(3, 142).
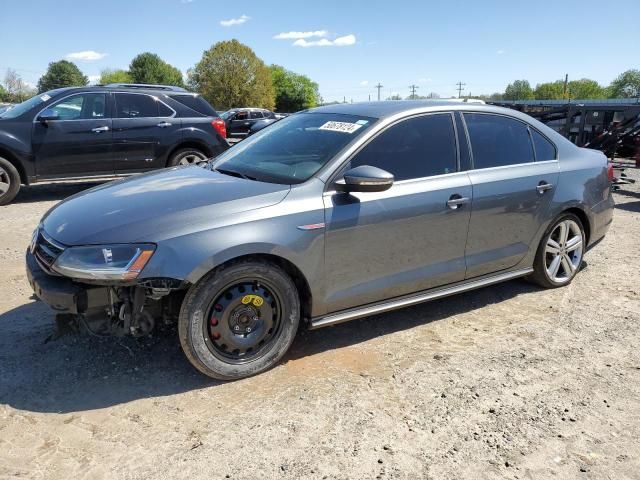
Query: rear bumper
point(62, 294)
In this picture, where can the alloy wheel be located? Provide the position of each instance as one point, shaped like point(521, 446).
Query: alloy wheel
point(563, 251)
point(191, 158)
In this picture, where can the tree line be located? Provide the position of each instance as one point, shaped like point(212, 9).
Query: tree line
point(625, 85)
point(228, 75)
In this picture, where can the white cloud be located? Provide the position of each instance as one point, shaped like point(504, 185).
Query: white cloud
point(338, 42)
point(297, 35)
point(235, 21)
point(364, 83)
point(86, 55)
point(186, 1)
point(93, 78)
point(424, 80)
point(500, 52)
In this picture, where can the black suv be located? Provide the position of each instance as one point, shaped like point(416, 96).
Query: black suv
point(104, 131)
point(240, 120)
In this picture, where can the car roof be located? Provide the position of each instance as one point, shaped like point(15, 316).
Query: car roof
point(130, 88)
point(389, 108)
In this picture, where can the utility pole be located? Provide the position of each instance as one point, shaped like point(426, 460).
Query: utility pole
point(413, 89)
point(460, 85)
point(379, 86)
point(369, 97)
point(566, 85)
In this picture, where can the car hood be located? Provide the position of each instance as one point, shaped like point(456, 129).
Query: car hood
point(156, 206)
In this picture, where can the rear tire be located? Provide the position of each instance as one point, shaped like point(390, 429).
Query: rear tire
point(9, 181)
point(186, 156)
point(239, 320)
point(559, 256)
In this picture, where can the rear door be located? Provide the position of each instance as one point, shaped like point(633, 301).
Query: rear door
point(79, 142)
point(408, 238)
point(144, 128)
point(511, 190)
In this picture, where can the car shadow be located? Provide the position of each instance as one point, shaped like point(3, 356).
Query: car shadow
point(51, 191)
point(78, 372)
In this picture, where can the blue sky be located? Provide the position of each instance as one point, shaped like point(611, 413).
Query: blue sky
point(346, 46)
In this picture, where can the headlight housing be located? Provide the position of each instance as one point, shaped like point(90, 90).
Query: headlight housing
point(104, 262)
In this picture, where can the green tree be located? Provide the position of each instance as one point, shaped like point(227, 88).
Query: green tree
point(549, 90)
point(231, 75)
point(62, 74)
point(114, 76)
point(626, 85)
point(17, 90)
point(518, 90)
point(293, 92)
point(4, 95)
point(150, 68)
point(586, 88)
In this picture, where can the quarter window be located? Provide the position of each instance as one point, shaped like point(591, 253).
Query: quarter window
point(81, 107)
point(544, 148)
point(256, 115)
point(130, 105)
point(415, 148)
point(497, 141)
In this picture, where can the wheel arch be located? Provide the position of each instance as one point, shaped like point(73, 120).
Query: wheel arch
point(300, 280)
point(584, 219)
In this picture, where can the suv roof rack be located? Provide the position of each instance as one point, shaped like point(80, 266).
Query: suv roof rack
point(171, 88)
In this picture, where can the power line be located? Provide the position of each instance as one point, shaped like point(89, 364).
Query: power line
point(460, 85)
point(379, 86)
point(413, 89)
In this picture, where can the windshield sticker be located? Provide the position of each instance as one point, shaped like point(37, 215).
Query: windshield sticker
point(362, 122)
point(343, 127)
point(44, 97)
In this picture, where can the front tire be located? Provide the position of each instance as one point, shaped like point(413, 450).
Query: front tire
point(186, 156)
point(239, 320)
point(559, 255)
point(9, 181)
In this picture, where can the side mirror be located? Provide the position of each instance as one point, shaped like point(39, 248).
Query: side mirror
point(48, 114)
point(365, 178)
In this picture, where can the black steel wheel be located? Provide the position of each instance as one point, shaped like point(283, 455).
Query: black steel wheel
point(239, 320)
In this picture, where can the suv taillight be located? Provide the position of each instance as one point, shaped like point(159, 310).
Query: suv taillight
point(220, 127)
point(610, 172)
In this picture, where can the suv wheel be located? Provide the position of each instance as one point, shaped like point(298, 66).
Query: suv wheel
point(186, 156)
point(9, 181)
point(559, 255)
point(239, 320)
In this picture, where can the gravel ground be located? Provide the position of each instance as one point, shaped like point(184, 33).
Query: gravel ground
point(510, 381)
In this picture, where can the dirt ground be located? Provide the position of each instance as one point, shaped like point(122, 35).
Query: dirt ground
point(510, 381)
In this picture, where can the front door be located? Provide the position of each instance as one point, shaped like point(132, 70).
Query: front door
point(78, 142)
point(511, 190)
point(240, 124)
point(406, 239)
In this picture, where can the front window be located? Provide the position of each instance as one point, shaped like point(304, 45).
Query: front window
point(85, 106)
point(227, 114)
point(293, 149)
point(27, 105)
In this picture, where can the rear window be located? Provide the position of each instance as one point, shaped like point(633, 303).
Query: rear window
point(196, 103)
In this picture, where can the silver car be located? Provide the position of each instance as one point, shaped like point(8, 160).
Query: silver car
point(331, 214)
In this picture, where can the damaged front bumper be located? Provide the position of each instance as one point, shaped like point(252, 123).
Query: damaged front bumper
point(62, 294)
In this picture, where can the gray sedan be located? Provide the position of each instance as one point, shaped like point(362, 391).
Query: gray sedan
point(328, 215)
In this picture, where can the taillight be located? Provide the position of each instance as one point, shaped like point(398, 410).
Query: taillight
point(220, 127)
point(610, 172)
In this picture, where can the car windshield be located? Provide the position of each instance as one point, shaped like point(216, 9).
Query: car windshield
point(227, 114)
point(27, 105)
point(292, 150)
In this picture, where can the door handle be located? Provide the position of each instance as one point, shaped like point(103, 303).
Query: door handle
point(164, 124)
point(543, 187)
point(100, 129)
point(456, 201)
